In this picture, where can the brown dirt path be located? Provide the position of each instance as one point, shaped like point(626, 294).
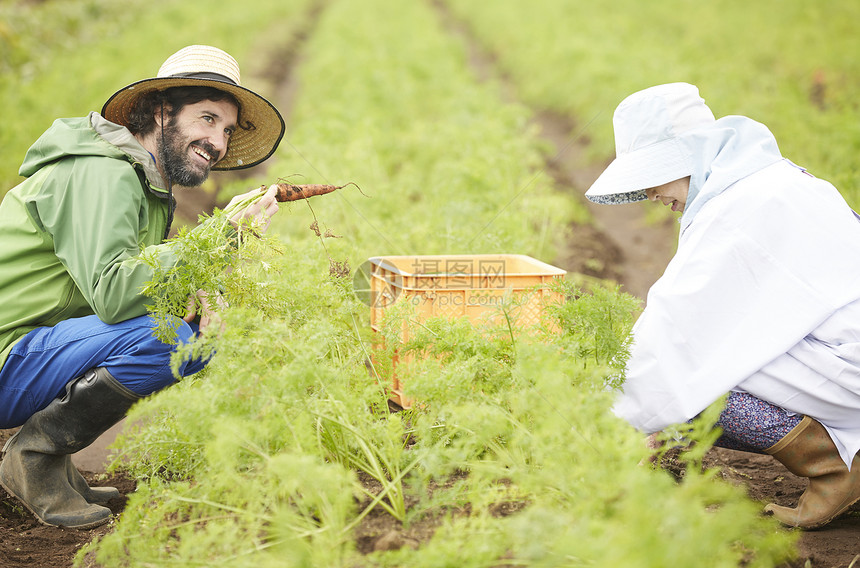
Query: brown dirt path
point(626, 248)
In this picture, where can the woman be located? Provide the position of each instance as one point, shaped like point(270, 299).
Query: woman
point(761, 300)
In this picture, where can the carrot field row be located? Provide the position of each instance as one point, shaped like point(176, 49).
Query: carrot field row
point(280, 452)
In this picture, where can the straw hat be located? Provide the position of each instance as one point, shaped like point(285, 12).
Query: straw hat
point(649, 150)
point(205, 66)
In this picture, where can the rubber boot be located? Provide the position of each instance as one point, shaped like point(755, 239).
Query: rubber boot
point(98, 495)
point(35, 467)
point(808, 451)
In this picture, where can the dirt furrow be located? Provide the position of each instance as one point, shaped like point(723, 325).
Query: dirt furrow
point(620, 245)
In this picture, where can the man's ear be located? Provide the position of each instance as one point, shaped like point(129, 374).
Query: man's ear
point(161, 114)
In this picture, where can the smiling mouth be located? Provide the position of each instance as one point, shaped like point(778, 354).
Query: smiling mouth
point(202, 153)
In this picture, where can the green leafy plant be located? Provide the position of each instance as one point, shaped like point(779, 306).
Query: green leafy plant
point(601, 321)
point(693, 438)
point(205, 270)
point(377, 449)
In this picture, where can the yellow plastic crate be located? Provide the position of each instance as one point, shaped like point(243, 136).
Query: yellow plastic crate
point(457, 286)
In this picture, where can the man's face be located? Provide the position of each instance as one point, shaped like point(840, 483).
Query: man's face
point(195, 139)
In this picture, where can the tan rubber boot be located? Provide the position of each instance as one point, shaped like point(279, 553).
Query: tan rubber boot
point(35, 468)
point(808, 451)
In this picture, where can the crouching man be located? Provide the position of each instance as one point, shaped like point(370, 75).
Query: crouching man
point(76, 343)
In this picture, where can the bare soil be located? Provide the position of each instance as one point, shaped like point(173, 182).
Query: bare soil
point(767, 481)
point(619, 245)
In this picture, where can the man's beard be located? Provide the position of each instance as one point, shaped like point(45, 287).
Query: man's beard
point(175, 161)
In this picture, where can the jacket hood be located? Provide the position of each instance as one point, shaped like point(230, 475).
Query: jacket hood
point(722, 154)
point(91, 135)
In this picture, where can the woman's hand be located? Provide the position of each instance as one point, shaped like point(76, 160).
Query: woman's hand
point(258, 215)
point(652, 442)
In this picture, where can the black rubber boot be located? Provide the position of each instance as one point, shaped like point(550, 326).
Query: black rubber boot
point(98, 495)
point(35, 467)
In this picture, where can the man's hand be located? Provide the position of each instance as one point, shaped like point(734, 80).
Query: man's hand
point(210, 320)
point(258, 215)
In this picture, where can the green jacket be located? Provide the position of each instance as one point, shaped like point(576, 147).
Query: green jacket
point(72, 232)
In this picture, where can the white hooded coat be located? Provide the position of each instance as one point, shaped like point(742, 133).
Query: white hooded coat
point(762, 296)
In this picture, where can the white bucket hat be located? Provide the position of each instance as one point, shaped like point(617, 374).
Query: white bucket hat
point(261, 125)
point(648, 151)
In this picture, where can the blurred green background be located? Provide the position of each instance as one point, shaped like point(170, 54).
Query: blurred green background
point(792, 65)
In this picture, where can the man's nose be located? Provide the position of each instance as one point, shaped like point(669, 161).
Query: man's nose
point(220, 143)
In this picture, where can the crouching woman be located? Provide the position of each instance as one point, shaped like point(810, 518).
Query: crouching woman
point(761, 300)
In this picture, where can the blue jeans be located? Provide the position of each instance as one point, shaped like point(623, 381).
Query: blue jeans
point(43, 361)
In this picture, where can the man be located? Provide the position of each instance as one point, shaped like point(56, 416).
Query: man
point(761, 300)
point(76, 344)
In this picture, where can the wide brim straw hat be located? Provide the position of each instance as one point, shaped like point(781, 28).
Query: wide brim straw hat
point(649, 149)
point(261, 126)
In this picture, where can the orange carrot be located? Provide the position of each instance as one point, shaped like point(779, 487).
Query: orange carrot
point(290, 192)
